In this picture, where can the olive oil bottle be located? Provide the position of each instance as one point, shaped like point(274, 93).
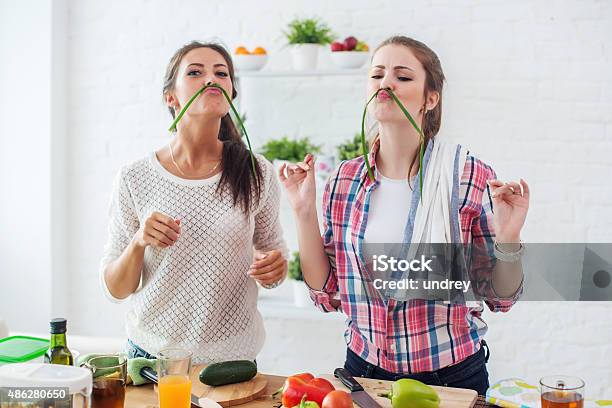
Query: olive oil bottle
point(58, 352)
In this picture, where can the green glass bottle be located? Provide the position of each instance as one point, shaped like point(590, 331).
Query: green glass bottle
point(58, 352)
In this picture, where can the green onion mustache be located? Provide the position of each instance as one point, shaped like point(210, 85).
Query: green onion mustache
point(199, 92)
point(364, 146)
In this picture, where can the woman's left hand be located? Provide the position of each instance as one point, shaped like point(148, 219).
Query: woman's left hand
point(510, 205)
point(268, 267)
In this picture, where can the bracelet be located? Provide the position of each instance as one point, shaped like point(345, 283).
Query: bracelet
point(508, 256)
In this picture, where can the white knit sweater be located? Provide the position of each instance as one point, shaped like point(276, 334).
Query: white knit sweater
point(196, 294)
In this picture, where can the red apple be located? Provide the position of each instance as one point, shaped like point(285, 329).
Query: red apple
point(337, 46)
point(350, 43)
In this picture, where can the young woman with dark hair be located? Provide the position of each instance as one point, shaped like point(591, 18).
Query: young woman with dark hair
point(195, 225)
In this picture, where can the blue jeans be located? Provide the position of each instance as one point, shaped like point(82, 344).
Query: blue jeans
point(471, 373)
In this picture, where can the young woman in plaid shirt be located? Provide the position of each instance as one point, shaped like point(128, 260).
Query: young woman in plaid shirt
point(435, 342)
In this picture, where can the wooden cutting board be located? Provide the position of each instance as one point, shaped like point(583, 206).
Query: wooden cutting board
point(449, 397)
point(228, 395)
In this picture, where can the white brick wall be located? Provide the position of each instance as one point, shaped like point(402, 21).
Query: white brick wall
point(529, 90)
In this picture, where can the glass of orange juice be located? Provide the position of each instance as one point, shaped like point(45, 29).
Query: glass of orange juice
point(174, 383)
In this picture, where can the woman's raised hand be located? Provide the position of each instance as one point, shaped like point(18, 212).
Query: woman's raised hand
point(299, 182)
point(268, 267)
point(158, 230)
point(510, 206)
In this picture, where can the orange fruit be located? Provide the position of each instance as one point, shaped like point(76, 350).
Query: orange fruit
point(241, 51)
point(260, 51)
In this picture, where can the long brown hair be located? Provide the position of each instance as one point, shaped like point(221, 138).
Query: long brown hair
point(237, 171)
point(434, 82)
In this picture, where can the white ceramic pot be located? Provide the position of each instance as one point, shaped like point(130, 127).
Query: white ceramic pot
point(301, 294)
point(305, 56)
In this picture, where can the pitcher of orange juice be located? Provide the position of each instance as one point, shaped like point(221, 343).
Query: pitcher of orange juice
point(174, 383)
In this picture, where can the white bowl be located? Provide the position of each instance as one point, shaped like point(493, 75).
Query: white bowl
point(246, 62)
point(349, 59)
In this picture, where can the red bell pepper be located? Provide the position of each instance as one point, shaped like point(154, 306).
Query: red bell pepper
point(296, 386)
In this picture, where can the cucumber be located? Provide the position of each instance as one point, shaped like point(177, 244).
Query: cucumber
point(228, 372)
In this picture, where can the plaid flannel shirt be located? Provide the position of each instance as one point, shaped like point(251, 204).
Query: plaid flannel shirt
point(402, 336)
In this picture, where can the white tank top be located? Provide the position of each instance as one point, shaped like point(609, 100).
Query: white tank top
point(388, 214)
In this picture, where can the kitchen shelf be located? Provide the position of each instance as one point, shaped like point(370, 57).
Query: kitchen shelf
point(295, 73)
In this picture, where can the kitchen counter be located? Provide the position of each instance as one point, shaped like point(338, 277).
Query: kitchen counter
point(145, 396)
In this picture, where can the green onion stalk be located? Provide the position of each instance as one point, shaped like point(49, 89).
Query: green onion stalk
point(199, 92)
point(364, 146)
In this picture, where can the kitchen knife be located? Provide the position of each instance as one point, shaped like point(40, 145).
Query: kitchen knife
point(358, 394)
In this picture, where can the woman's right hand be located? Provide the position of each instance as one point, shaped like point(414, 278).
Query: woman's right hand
point(299, 182)
point(158, 230)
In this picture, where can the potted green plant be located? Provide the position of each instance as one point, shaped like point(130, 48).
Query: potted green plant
point(301, 294)
point(305, 37)
point(284, 150)
point(350, 149)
